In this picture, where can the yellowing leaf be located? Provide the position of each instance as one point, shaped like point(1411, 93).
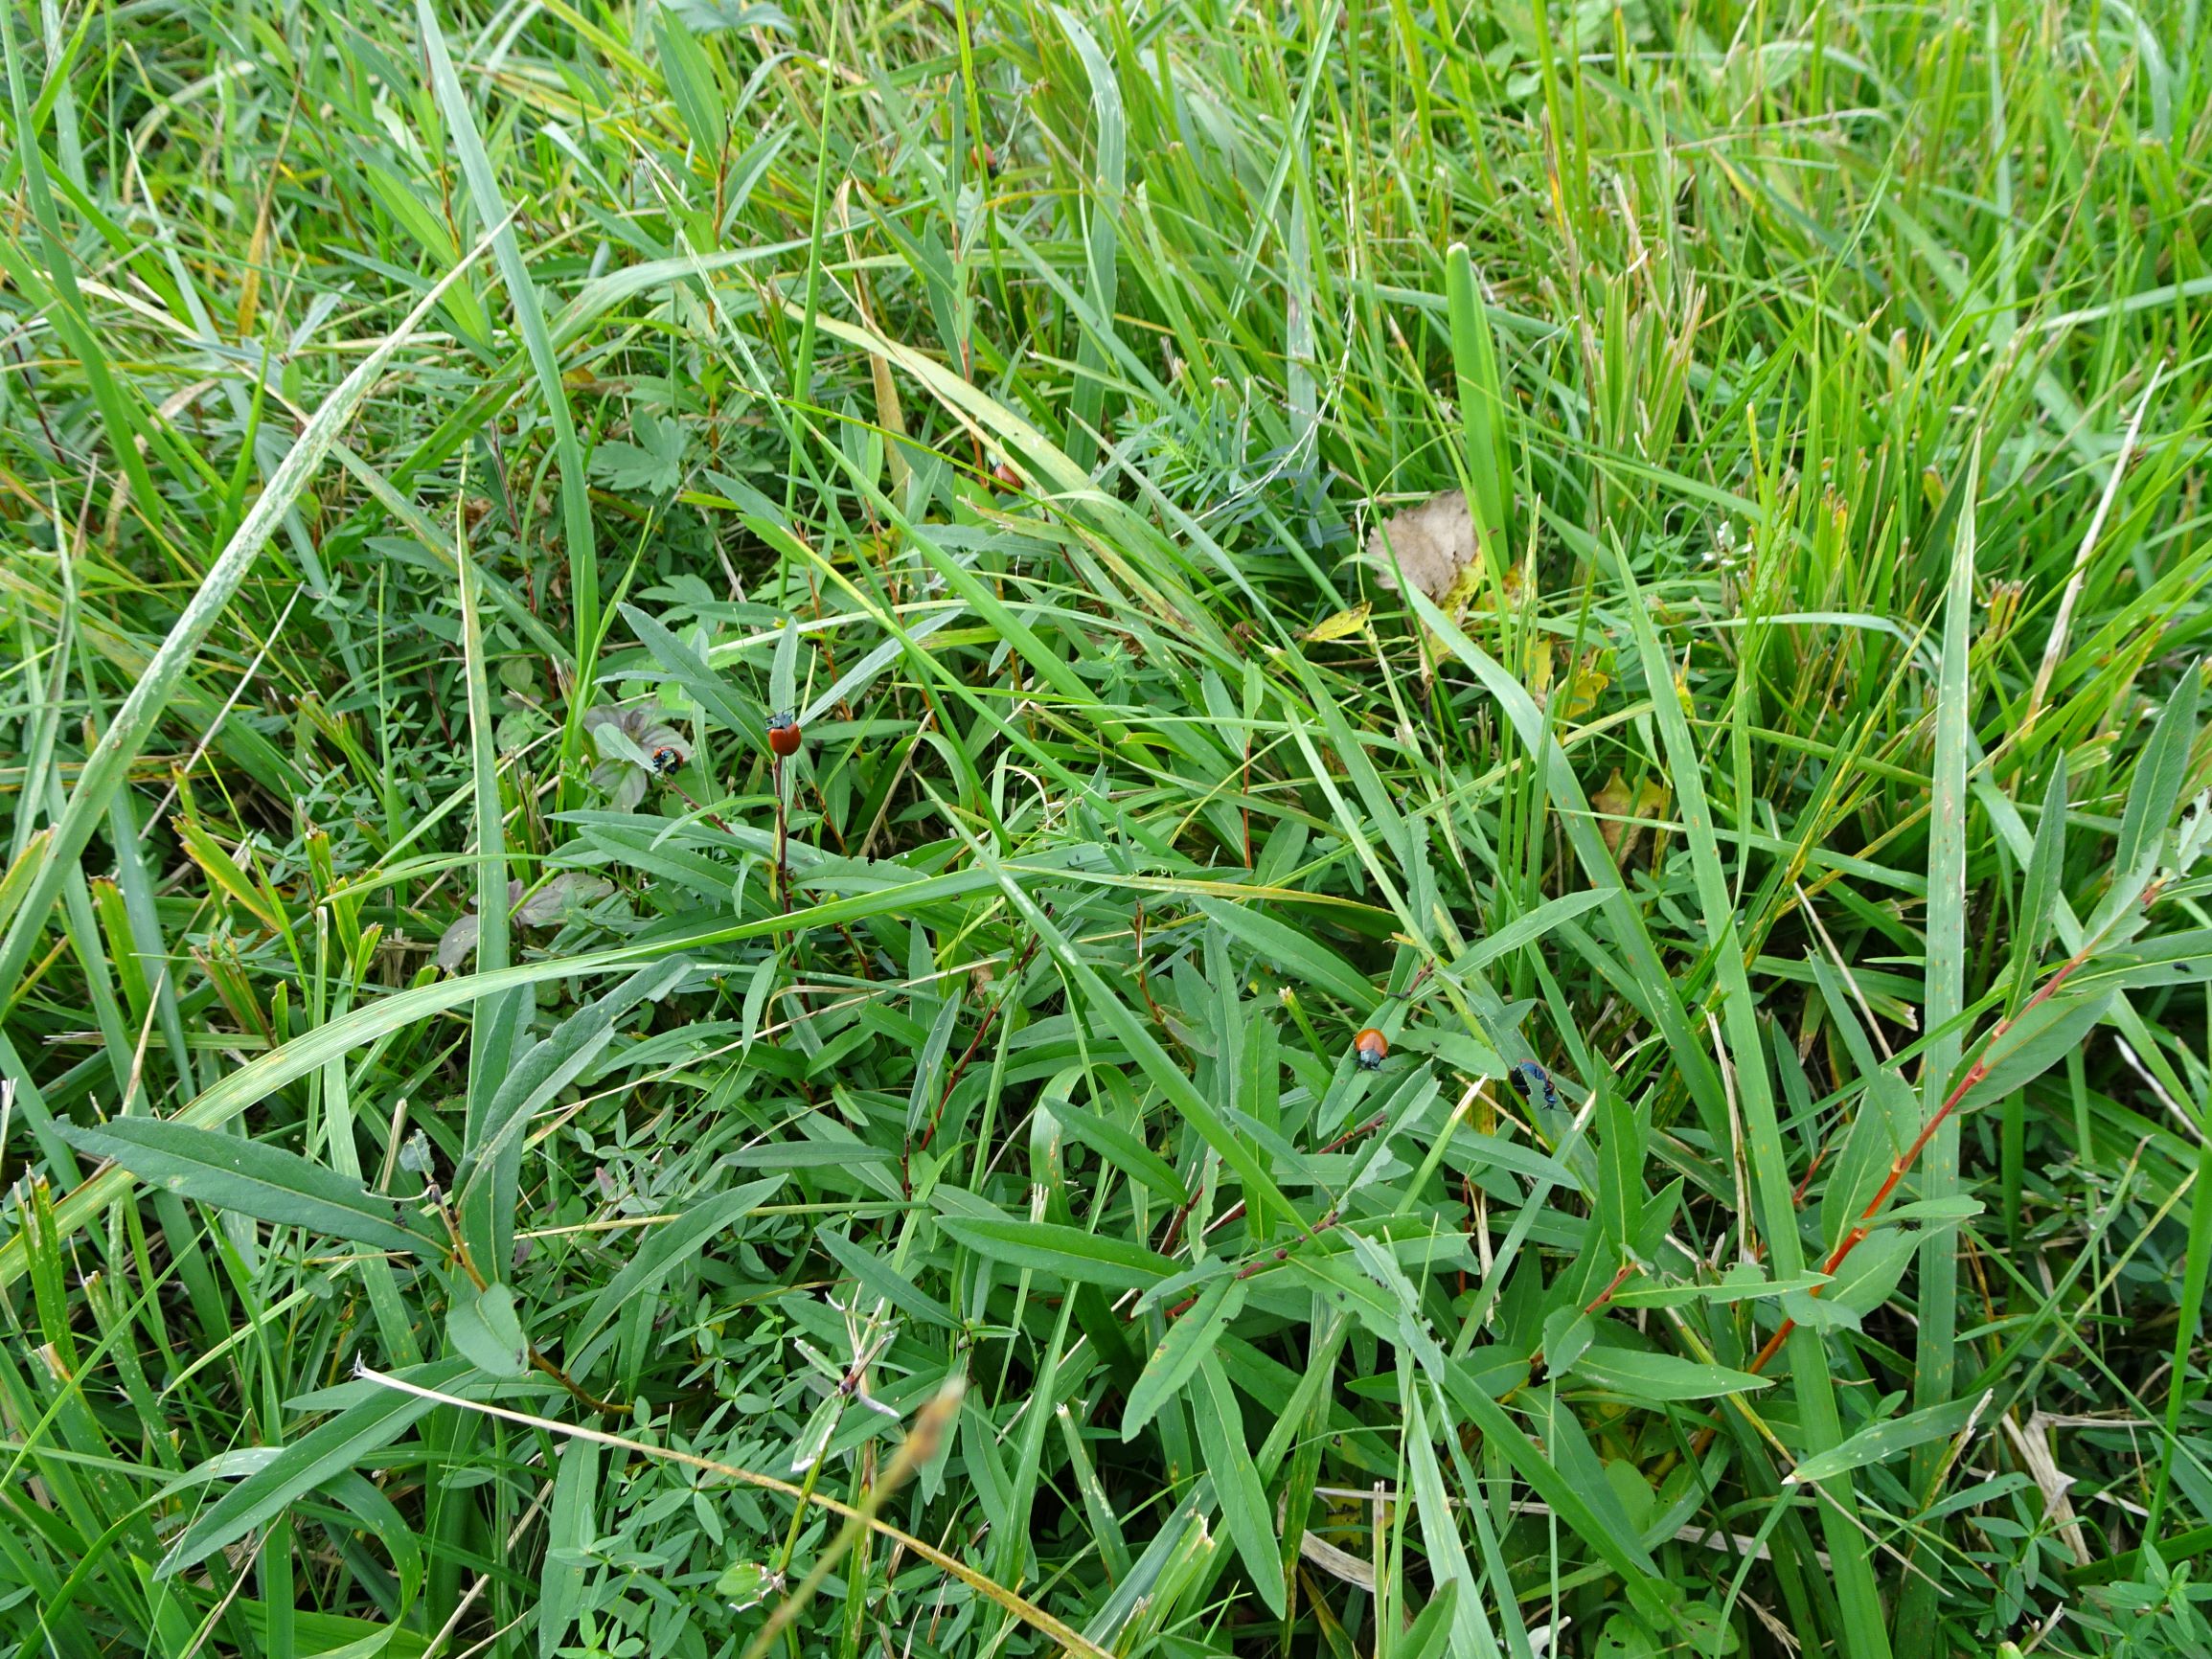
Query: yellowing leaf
point(1539, 667)
point(223, 871)
point(1580, 693)
point(1341, 626)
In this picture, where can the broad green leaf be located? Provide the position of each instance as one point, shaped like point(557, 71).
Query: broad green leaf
point(2043, 1036)
point(1567, 1335)
point(484, 1328)
point(880, 1278)
point(1742, 1283)
point(1299, 954)
point(1126, 1152)
point(1621, 1195)
point(1656, 1379)
point(1430, 1634)
point(1189, 1340)
point(690, 74)
point(690, 671)
point(1880, 1442)
point(1245, 1507)
point(360, 1429)
point(1433, 1510)
point(1884, 1124)
point(1865, 1278)
point(1071, 1252)
point(251, 1177)
point(1483, 408)
point(570, 1530)
point(2160, 771)
point(1626, 1636)
point(1526, 929)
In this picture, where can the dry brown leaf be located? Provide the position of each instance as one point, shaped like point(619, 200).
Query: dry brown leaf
point(1433, 542)
point(1626, 813)
point(1612, 804)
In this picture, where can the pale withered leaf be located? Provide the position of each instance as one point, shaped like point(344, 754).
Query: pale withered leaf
point(1434, 542)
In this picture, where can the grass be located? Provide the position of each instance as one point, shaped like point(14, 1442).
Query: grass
point(921, 1197)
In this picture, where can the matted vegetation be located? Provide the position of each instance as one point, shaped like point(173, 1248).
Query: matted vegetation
point(499, 1160)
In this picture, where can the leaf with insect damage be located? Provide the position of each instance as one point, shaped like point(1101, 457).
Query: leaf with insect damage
point(485, 1329)
point(560, 898)
point(635, 746)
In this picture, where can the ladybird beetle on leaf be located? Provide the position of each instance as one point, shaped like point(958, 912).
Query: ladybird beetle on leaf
point(785, 736)
point(667, 760)
point(1369, 1047)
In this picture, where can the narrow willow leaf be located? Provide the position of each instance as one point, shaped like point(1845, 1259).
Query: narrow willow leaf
point(1880, 1442)
point(1189, 1340)
point(1071, 1252)
point(1656, 1379)
point(367, 1426)
point(2038, 1041)
point(1299, 954)
point(1129, 1154)
point(1245, 1507)
point(2160, 771)
point(251, 1177)
point(2039, 888)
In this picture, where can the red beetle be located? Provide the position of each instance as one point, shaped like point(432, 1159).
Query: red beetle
point(785, 736)
point(1369, 1047)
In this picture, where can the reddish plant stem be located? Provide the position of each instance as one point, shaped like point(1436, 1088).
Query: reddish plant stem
point(1620, 1277)
point(1607, 1294)
point(707, 812)
point(1176, 1224)
point(1904, 1161)
point(1275, 1257)
point(1247, 804)
point(1237, 1209)
point(1144, 976)
point(783, 871)
point(960, 1068)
